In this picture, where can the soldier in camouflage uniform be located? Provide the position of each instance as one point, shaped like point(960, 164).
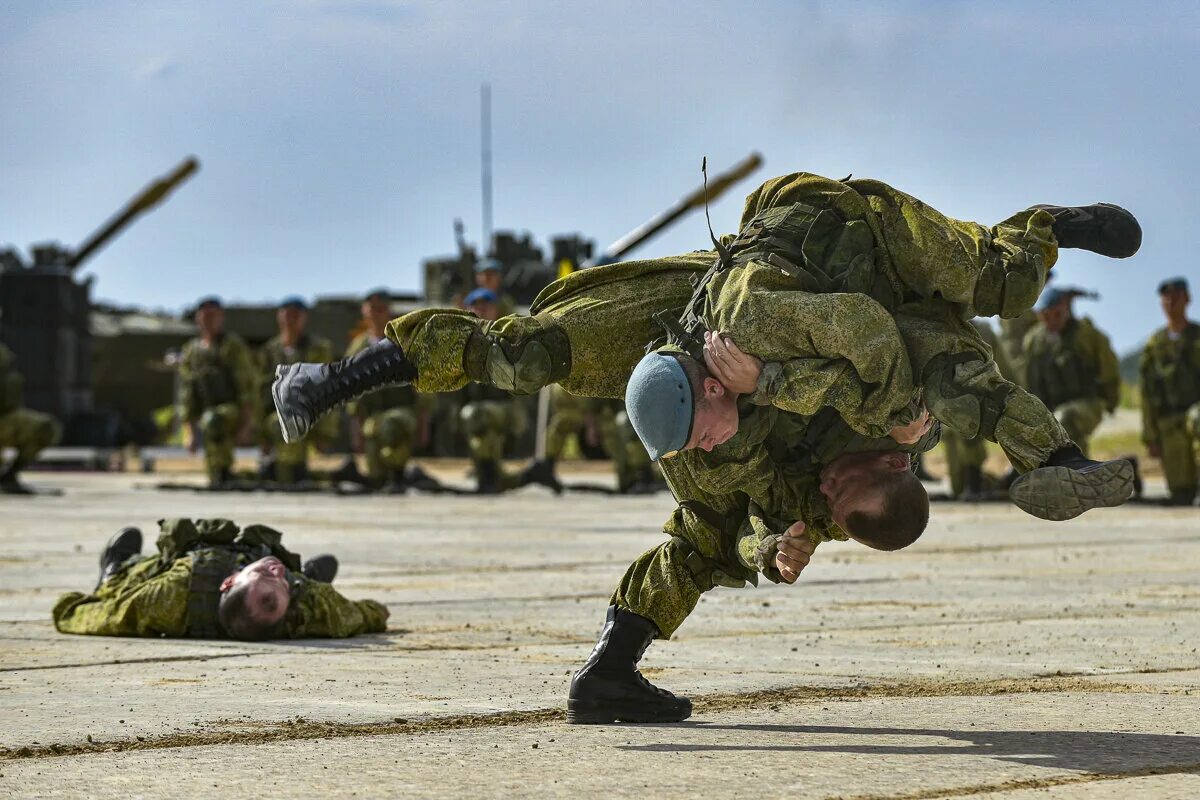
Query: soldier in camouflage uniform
point(816, 270)
point(27, 432)
point(212, 579)
point(1071, 366)
point(218, 391)
point(386, 424)
point(489, 274)
point(287, 462)
point(1170, 386)
point(490, 415)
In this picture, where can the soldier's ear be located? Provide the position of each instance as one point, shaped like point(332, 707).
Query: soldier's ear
point(713, 388)
point(229, 579)
point(897, 463)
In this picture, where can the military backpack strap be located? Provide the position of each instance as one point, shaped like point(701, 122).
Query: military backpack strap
point(210, 567)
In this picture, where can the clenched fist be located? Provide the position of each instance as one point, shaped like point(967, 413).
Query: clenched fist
point(794, 551)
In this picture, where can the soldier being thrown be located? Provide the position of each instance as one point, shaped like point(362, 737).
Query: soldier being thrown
point(810, 287)
point(212, 579)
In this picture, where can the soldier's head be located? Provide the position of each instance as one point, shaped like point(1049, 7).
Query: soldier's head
point(377, 309)
point(254, 600)
point(876, 499)
point(483, 303)
point(292, 317)
point(1054, 309)
point(210, 316)
point(489, 274)
point(1173, 293)
point(675, 403)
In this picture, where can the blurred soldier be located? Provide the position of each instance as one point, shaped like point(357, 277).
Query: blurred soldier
point(489, 274)
point(965, 456)
point(489, 415)
point(388, 423)
point(288, 462)
point(212, 579)
point(27, 432)
point(1071, 366)
point(218, 386)
point(597, 421)
point(1170, 382)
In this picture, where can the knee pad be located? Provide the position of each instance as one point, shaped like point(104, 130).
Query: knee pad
point(948, 398)
point(523, 366)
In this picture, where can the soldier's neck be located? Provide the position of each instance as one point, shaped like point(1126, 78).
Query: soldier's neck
point(1177, 324)
point(378, 333)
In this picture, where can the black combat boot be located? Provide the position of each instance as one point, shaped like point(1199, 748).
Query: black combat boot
point(304, 393)
point(421, 480)
point(1069, 484)
point(9, 484)
point(487, 477)
point(124, 544)
point(541, 472)
point(609, 688)
point(348, 473)
point(395, 482)
point(268, 469)
point(321, 568)
point(1102, 228)
point(973, 491)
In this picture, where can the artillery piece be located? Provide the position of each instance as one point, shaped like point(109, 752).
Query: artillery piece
point(45, 318)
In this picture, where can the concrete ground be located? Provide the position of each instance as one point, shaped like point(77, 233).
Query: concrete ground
point(1000, 657)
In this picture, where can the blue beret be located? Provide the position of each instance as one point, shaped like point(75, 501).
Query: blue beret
point(210, 300)
point(379, 292)
point(658, 401)
point(480, 296)
point(294, 301)
point(1173, 284)
point(487, 264)
point(1050, 297)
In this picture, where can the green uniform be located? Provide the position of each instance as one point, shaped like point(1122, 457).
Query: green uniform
point(28, 432)
point(1075, 373)
point(572, 415)
point(489, 417)
point(389, 419)
point(291, 458)
point(217, 385)
point(1170, 385)
point(964, 455)
point(1012, 339)
point(734, 502)
point(176, 593)
point(816, 269)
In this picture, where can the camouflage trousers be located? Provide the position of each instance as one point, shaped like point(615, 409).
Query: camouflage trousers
point(28, 432)
point(1180, 437)
point(1080, 418)
point(961, 454)
point(388, 440)
point(488, 424)
point(616, 436)
point(219, 427)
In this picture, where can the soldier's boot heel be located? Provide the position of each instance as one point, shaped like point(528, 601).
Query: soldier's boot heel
point(303, 393)
point(1101, 228)
point(1069, 484)
point(609, 688)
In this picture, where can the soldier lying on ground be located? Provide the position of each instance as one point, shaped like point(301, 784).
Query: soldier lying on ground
point(809, 286)
point(212, 579)
point(759, 504)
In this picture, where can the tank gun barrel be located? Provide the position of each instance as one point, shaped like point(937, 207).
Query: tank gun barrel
point(693, 200)
point(147, 199)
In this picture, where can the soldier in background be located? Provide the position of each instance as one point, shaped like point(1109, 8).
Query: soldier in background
point(1071, 366)
point(489, 274)
point(218, 391)
point(284, 462)
point(490, 415)
point(28, 432)
point(386, 424)
point(965, 457)
point(1170, 385)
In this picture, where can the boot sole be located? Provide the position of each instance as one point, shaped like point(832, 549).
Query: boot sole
point(593, 712)
point(284, 373)
point(1061, 493)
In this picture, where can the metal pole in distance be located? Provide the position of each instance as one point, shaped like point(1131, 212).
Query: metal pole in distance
point(485, 113)
point(543, 422)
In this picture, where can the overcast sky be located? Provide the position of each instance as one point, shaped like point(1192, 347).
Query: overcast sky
point(340, 138)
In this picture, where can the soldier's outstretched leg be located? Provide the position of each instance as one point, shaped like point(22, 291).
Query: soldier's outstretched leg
point(586, 332)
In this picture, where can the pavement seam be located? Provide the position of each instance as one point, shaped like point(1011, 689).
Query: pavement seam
point(301, 729)
point(122, 661)
point(1033, 783)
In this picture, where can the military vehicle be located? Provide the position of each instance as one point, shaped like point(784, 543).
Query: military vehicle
point(45, 319)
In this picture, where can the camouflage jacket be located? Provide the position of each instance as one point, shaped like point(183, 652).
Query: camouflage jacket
point(159, 596)
point(1077, 364)
point(1170, 378)
point(212, 376)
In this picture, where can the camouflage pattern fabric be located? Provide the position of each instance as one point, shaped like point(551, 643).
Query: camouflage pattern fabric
point(571, 416)
point(1170, 388)
point(219, 427)
point(216, 386)
point(28, 432)
point(149, 595)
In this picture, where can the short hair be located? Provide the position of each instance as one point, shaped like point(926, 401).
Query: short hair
point(233, 612)
point(903, 518)
point(696, 372)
